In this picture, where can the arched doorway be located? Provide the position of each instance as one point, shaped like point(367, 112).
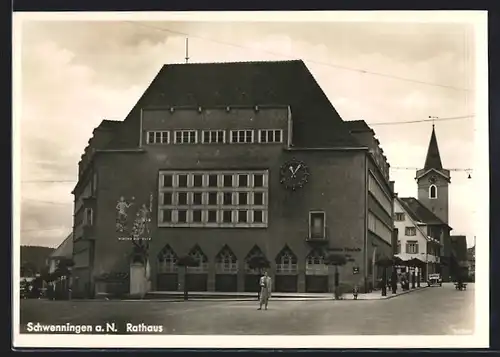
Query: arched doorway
point(166, 276)
point(226, 267)
point(197, 277)
point(286, 271)
point(316, 272)
point(252, 276)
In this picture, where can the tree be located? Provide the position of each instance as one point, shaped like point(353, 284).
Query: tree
point(187, 261)
point(336, 260)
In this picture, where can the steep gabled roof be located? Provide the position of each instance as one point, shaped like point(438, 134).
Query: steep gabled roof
point(420, 213)
point(65, 249)
point(433, 158)
point(316, 123)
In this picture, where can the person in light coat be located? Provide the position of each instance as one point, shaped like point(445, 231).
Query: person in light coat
point(265, 290)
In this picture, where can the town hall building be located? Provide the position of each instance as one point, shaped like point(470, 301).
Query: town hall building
point(224, 162)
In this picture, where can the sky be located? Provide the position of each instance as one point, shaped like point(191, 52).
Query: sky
point(75, 74)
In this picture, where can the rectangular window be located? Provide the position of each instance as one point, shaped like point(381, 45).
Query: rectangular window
point(258, 217)
point(167, 198)
point(158, 137)
point(197, 198)
point(197, 180)
point(167, 180)
point(186, 136)
point(227, 216)
point(258, 180)
point(167, 215)
point(242, 180)
point(212, 198)
point(212, 216)
point(317, 227)
point(242, 198)
point(258, 198)
point(412, 247)
point(398, 249)
point(270, 136)
point(228, 180)
point(227, 198)
point(182, 198)
point(182, 216)
point(242, 136)
point(410, 231)
point(212, 180)
point(400, 216)
point(183, 180)
point(197, 216)
point(88, 216)
point(213, 136)
point(242, 216)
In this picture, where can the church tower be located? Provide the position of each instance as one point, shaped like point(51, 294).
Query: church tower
point(433, 181)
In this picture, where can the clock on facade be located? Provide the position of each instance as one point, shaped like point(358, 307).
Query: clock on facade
point(433, 179)
point(294, 174)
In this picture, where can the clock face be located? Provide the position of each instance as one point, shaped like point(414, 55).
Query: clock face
point(433, 179)
point(294, 174)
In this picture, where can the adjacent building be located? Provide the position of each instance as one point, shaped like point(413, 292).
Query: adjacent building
point(416, 224)
point(225, 162)
point(422, 223)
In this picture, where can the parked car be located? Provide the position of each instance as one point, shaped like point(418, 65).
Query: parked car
point(434, 279)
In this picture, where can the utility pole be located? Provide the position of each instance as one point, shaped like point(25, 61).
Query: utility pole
point(187, 50)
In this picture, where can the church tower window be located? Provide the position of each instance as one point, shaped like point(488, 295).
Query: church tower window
point(433, 192)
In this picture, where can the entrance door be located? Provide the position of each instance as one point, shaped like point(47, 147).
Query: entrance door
point(167, 282)
point(286, 283)
point(317, 283)
point(226, 282)
point(197, 282)
point(252, 282)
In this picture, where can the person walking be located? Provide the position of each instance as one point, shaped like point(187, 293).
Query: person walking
point(265, 290)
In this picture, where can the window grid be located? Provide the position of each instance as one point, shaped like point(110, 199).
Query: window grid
point(186, 136)
point(268, 136)
point(213, 137)
point(412, 247)
point(315, 265)
point(242, 136)
point(213, 206)
point(158, 137)
point(399, 216)
point(377, 192)
point(410, 231)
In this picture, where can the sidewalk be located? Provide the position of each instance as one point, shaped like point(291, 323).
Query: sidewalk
point(245, 296)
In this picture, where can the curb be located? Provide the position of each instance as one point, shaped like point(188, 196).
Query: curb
point(221, 299)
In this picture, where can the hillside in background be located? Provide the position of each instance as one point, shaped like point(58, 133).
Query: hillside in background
point(33, 259)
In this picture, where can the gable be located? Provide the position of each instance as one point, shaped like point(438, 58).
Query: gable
point(316, 123)
point(422, 213)
point(409, 221)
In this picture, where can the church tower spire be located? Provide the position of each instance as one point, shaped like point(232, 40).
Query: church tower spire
point(433, 181)
point(433, 159)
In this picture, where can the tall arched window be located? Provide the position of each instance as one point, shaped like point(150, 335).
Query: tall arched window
point(226, 261)
point(433, 192)
point(286, 262)
point(167, 260)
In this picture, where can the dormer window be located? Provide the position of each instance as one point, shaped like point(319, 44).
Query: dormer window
point(432, 192)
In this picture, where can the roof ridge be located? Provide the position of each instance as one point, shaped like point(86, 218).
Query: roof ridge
point(232, 62)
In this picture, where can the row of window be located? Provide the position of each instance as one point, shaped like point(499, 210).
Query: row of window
point(247, 136)
point(377, 192)
point(226, 262)
point(224, 179)
point(212, 217)
point(377, 227)
point(213, 198)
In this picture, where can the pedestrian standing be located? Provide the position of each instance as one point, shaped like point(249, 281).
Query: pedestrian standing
point(265, 290)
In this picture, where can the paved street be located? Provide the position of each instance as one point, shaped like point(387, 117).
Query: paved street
point(431, 311)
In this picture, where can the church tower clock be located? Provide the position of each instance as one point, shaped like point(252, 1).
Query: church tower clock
point(433, 181)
